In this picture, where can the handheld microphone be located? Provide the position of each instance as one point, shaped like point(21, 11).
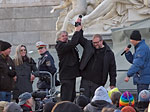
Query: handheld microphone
point(78, 22)
point(129, 46)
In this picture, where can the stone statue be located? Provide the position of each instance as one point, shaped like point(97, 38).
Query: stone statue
point(117, 12)
point(78, 7)
point(92, 4)
point(102, 15)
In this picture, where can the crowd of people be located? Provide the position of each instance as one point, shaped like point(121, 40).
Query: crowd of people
point(96, 64)
point(102, 101)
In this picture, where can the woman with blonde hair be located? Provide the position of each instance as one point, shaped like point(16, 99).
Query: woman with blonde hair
point(24, 67)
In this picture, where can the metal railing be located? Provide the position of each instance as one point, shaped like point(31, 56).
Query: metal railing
point(52, 91)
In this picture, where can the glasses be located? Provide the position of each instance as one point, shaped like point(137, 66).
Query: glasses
point(23, 50)
point(96, 42)
point(40, 48)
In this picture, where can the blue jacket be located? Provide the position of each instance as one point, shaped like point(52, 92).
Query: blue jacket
point(140, 60)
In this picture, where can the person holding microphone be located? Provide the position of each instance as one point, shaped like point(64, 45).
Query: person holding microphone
point(68, 62)
point(140, 60)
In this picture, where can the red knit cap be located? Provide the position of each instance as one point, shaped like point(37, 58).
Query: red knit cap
point(128, 109)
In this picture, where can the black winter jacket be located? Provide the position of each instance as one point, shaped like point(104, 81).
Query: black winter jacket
point(109, 64)
point(68, 57)
point(7, 72)
point(23, 83)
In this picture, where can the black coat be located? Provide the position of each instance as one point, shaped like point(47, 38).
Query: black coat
point(23, 83)
point(7, 72)
point(109, 64)
point(68, 57)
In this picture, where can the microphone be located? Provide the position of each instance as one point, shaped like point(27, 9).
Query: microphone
point(78, 22)
point(129, 46)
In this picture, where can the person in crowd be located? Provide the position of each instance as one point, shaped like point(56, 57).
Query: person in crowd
point(45, 63)
point(48, 107)
point(7, 72)
point(96, 63)
point(99, 101)
point(24, 67)
point(128, 109)
point(115, 97)
point(112, 90)
point(126, 99)
point(81, 101)
point(2, 105)
point(26, 102)
point(12, 107)
point(140, 61)
point(68, 63)
point(106, 109)
point(66, 106)
point(143, 100)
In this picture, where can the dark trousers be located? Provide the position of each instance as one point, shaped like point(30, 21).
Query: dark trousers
point(89, 87)
point(68, 92)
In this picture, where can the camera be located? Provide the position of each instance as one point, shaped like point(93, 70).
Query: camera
point(40, 103)
point(39, 94)
point(78, 23)
point(41, 98)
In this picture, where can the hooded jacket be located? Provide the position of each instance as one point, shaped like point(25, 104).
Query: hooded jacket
point(100, 100)
point(97, 106)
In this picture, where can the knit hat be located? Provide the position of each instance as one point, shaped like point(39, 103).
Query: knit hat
point(66, 106)
point(13, 107)
point(144, 96)
point(40, 44)
point(128, 109)
point(5, 45)
point(135, 35)
point(82, 101)
point(126, 99)
point(24, 97)
point(48, 107)
point(101, 94)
